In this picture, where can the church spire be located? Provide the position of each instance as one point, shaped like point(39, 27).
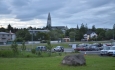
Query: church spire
point(49, 17)
point(48, 22)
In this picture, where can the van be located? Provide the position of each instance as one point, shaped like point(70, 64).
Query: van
point(41, 48)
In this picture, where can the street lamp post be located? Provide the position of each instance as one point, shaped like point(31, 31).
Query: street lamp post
point(113, 34)
point(32, 39)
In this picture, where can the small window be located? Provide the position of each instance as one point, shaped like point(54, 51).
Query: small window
point(3, 35)
point(3, 38)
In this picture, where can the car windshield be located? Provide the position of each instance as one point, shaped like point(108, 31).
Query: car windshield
point(112, 48)
point(106, 48)
point(58, 47)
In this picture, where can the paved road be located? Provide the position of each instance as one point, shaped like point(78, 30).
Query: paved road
point(71, 50)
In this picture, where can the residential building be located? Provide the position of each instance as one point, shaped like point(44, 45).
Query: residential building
point(5, 37)
point(35, 31)
point(89, 35)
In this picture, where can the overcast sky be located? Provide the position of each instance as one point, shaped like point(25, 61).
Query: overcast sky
point(70, 13)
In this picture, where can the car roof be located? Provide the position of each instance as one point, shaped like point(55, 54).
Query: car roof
point(41, 46)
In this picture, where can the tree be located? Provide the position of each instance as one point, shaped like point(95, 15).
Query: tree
point(9, 27)
point(42, 36)
point(24, 34)
point(14, 47)
point(101, 33)
point(49, 47)
point(77, 27)
point(2, 29)
point(93, 28)
point(68, 31)
point(108, 34)
point(77, 36)
point(55, 34)
point(23, 47)
point(72, 36)
point(113, 31)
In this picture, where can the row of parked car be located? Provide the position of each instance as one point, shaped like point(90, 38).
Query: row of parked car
point(56, 49)
point(108, 50)
point(88, 47)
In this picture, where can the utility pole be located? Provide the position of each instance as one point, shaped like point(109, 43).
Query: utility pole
point(32, 39)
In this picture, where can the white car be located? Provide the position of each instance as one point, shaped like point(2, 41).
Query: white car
point(59, 49)
point(111, 52)
point(104, 51)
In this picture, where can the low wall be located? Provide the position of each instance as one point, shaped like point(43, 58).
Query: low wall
point(34, 42)
point(37, 42)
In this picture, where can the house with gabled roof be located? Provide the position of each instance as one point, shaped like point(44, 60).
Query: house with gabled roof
point(89, 35)
point(5, 37)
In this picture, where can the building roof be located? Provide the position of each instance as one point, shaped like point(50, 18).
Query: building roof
point(39, 30)
point(89, 32)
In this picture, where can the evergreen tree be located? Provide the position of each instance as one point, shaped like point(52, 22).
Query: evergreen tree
point(77, 27)
point(93, 28)
point(86, 28)
point(10, 28)
point(113, 31)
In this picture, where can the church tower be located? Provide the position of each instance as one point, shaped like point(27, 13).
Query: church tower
point(48, 22)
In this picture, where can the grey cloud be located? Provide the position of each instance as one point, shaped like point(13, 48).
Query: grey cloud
point(34, 8)
point(20, 3)
point(98, 3)
point(63, 12)
point(4, 8)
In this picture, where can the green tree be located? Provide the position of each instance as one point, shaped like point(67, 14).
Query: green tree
point(24, 34)
point(83, 30)
point(108, 34)
point(93, 28)
point(113, 31)
point(23, 47)
point(3, 29)
point(101, 34)
point(77, 27)
point(56, 34)
point(14, 48)
point(72, 36)
point(42, 36)
point(49, 47)
point(77, 36)
point(10, 28)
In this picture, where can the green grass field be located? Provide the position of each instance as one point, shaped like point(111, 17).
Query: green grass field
point(94, 62)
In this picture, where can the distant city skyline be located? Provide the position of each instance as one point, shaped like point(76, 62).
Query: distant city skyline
point(70, 13)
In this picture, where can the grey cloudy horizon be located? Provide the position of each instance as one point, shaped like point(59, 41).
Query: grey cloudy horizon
point(70, 13)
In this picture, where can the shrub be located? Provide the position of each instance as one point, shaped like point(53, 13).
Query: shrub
point(23, 47)
point(14, 48)
point(6, 53)
point(33, 51)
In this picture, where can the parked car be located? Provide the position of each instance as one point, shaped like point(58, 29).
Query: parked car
point(105, 50)
point(111, 51)
point(41, 48)
point(59, 49)
point(81, 48)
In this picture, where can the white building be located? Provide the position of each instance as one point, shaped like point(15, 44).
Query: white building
point(90, 35)
point(5, 37)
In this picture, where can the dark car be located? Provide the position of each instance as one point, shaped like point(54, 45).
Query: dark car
point(80, 49)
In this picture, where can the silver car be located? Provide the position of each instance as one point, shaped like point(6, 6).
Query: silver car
point(59, 49)
point(104, 51)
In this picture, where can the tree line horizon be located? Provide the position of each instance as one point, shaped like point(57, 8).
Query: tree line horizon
point(75, 34)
